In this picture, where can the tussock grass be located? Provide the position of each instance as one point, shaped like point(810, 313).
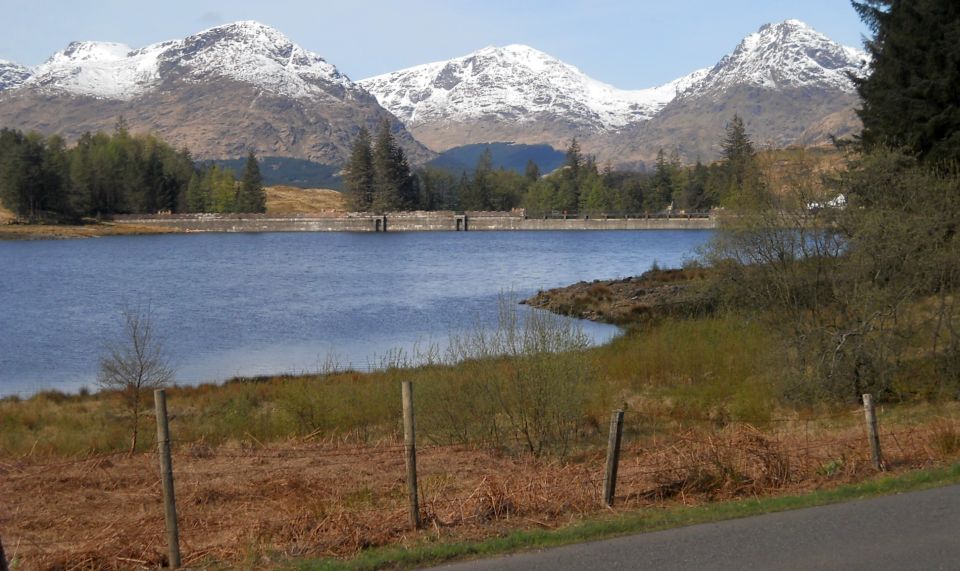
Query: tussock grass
point(683, 368)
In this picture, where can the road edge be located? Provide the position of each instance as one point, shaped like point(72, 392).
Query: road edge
point(617, 524)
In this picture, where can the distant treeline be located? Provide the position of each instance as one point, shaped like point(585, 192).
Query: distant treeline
point(379, 179)
point(121, 173)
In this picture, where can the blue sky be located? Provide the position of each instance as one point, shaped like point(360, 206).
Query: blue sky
point(630, 44)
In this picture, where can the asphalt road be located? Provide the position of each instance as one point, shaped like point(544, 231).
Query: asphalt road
point(915, 531)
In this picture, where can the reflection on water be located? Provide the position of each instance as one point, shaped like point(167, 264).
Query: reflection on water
point(249, 304)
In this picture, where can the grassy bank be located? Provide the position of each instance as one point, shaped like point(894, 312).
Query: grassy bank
point(710, 367)
point(717, 370)
point(511, 452)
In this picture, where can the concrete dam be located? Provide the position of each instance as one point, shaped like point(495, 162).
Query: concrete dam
point(416, 222)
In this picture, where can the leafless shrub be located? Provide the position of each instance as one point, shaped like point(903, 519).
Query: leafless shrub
point(134, 364)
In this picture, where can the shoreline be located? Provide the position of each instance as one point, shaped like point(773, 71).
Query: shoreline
point(631, 300)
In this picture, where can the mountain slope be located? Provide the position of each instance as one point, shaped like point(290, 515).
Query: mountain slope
point(791, 85)
point(220, 92)
point(514, 93)
point(788, 55)
point(12, 75)
point(789, 82)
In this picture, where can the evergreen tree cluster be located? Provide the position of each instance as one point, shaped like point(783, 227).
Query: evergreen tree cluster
point(911, 98)
point(122, 173)
point(580, 186)
point(378, 177)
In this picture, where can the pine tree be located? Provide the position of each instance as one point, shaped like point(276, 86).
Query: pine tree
point(911, 98)
point(463, 189)
point(573, 160)
point(541, 198)
point(198, 197)
point(386, 192)
point(251, 197)
point(223, 189)
point(359, 179)
point(741, 176)
point(695, 189)
point(152, 184)
point(661, 185)
point(26, 186)
point(532, 171)
point(407, 184)
point(481, 190)
point(568, 193)
point(736, 145)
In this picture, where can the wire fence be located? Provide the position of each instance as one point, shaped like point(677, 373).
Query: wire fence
point(333, 498)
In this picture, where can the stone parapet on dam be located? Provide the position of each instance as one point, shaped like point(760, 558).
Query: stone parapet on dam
point(415, 222)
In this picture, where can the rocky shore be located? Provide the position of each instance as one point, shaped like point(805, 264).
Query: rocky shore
point(632, 300)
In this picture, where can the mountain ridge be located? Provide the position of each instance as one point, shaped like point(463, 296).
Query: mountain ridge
point(221, 92)
point(245, 85)
point(425, 91)
point(497, 95)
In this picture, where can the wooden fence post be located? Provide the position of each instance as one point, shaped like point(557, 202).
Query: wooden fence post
point(613, 457)
point(410, 451)
point(166, 477)
point(872, 434)
point(3, 558)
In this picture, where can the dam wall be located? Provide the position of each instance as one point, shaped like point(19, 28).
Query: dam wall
point(413, 222)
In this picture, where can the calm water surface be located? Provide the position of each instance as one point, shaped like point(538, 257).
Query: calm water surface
point(247, 304)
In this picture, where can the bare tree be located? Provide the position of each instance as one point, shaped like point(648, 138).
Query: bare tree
point(135, 364)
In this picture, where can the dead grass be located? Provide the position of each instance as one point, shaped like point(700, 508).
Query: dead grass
point(292, 200)
point(243, 504)
point(780, 166)
point(56, 231)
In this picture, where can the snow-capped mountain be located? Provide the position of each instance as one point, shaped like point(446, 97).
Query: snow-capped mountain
point(790, 54)
point(221, 92)
point(12, 75)
point(249, 52)
point(243, 86)
point(790, 84)
point(519, 94)
point(516, 83)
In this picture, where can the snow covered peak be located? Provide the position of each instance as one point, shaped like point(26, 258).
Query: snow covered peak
point(514, 83)
point(101, 69)
point(254, 53)
point(788, 54)
point(12, 75)
point(248, 52)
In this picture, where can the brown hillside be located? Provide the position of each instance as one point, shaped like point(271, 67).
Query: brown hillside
point(292, 200)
